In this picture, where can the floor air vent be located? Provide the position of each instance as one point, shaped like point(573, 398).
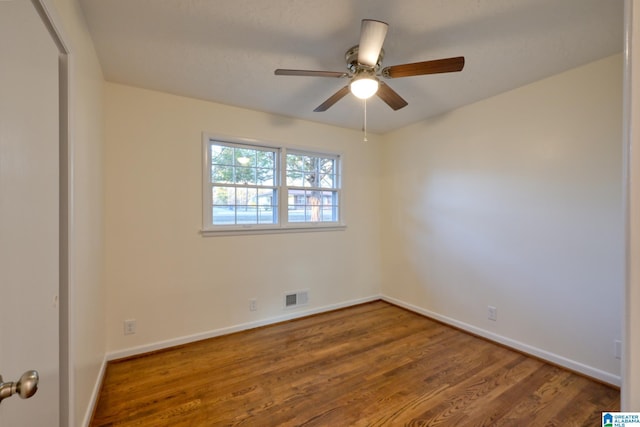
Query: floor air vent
point(296, 299)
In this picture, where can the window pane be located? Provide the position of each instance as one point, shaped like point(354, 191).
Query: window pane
point(223, 196)
point(223, 215)
point(327, 173)
point(329, 198)
point(327, 179)
point(296, 213)
point(246, 196)
point(267, 215)
point(252, 196)
point(311, 180)
point(245, 157)
point(267, 198)
point(295, 162)
point(266, 159)
point(264, 176)
point(221, 174)
point(267, 206)
point(327, 165)
point(295, 179)
point(246, 214)
point(296, 197)
point(245, 175)
point(221, 155)
point(314, 199)
point(329, 213)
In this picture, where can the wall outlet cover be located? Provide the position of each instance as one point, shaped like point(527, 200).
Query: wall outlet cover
point(130, 326)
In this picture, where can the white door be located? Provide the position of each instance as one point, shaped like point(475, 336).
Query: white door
point(29, 213)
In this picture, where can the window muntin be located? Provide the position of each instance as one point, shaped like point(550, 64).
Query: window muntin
point(260, 187)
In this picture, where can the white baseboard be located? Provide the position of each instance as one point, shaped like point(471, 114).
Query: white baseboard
point(95, 393)
point(553, 358)
point(134, 351)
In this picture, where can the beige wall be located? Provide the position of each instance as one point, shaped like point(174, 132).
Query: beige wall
point(177, 283)
point(516, 202)
point(87, 333)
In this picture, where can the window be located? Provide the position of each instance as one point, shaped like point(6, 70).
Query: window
point(248, 186)
point(312, 190)
point(243, 184)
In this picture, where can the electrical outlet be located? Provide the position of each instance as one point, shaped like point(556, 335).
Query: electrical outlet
point(253, 304)
point(492, 313)
point(617, 349)
point(130, 326)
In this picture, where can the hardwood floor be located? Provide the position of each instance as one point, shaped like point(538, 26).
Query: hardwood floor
point(370, 365)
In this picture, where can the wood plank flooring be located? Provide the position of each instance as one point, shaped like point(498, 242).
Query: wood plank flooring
point(369, 365)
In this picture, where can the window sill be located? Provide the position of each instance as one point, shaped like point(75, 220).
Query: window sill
point(278, 230)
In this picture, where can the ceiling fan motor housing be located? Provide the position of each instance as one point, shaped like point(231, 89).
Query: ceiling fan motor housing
point(351, 56)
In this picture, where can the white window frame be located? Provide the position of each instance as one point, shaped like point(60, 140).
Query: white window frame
point(280, 182)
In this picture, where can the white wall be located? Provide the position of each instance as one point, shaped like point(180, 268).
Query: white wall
point(516, 202)
point(177, 283)
point(87, 337)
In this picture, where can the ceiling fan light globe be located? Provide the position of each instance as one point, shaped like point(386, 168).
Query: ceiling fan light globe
point(364, 88)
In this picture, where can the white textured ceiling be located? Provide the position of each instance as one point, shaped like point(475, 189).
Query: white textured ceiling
point(226, 50)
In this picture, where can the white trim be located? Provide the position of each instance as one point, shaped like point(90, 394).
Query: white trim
point(270, 144)
point(47, 11)
point(630, 392)
point(517, 345)
point(160, 345)
point(95, 394)
point(626, 141)
point(52, 21)
point(70, 252)
point(272, 230)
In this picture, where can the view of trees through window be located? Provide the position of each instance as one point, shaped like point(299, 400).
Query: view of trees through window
point(246, 187)
point(244, 190)
point(310, 184)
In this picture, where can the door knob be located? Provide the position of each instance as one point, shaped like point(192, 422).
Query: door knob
point(26, 386)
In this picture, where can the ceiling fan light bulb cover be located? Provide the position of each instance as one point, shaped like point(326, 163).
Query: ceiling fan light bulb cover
point(364, 88)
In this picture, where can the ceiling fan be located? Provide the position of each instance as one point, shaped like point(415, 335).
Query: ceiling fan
point(364, 63)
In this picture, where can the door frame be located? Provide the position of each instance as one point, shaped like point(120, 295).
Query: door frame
point(53, 24)
point(630, 390)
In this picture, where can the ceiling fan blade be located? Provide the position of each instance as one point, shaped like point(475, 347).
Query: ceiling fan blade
point(390, 96)
point(446, 65)
point(309, 73)
point(372, 34)
point(332, 99)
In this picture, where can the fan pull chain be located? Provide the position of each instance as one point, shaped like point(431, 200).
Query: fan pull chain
point(364, 126)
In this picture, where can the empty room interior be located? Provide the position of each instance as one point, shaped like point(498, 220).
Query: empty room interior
point(209, 202)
